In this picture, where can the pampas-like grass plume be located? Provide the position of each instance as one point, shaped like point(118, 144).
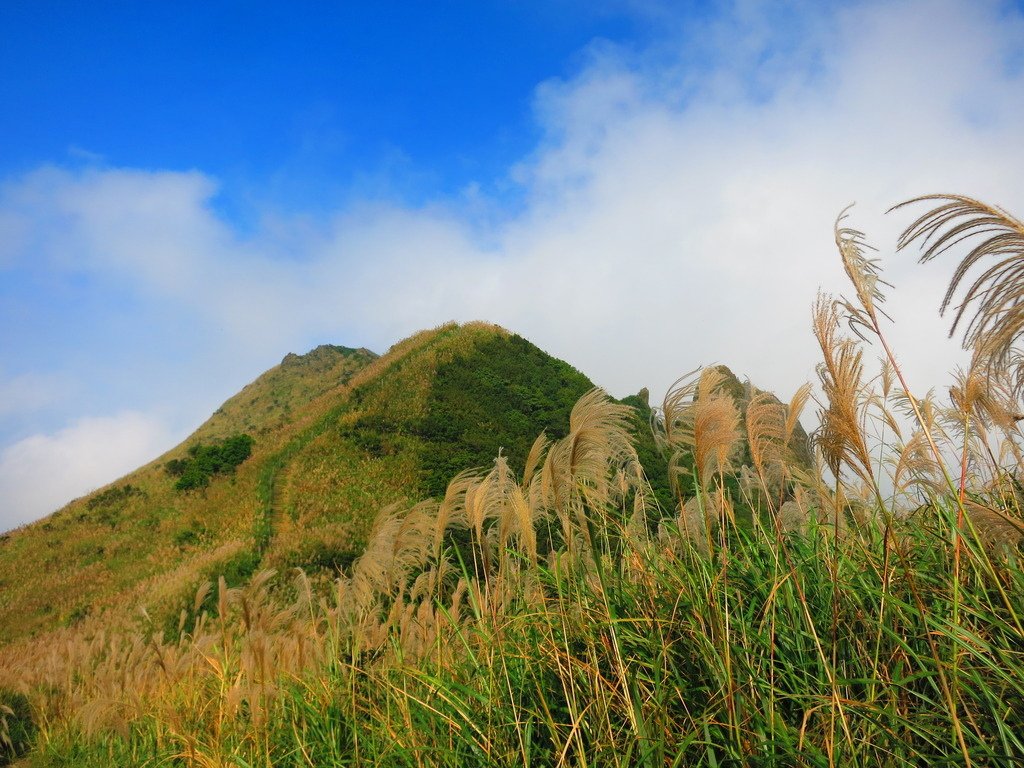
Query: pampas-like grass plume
point(840, 437)
point(996, 296)
point(864, 274)
point(579, 472)
point(915, 467)
point(766, 427)
point(698, 418)
point(716, 427)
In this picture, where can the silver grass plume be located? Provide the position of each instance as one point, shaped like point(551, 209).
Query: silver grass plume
point(994, 301)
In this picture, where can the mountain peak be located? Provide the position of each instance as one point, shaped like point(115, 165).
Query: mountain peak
point(324, 353)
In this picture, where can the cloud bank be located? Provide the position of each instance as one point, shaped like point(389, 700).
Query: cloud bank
point(677, 211)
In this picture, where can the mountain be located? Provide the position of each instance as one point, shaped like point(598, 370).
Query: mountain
point(332, 437)
point(292, 471)
point(144, 622)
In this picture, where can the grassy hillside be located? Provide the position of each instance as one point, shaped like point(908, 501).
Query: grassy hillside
point(278, 397)
point(336, 434)
point(295, 470)
point(830, 635)
point(450, 399)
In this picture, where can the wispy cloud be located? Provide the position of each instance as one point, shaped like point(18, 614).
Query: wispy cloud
point(677, 211)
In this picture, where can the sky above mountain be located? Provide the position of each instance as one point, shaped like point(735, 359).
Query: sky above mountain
point(189, 191)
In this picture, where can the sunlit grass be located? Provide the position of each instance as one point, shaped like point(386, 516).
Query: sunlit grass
point(868, 614)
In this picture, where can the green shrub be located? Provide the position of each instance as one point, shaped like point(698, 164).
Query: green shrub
point(176, 467)
point(206, 460)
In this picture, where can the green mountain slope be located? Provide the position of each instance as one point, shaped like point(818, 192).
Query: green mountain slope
point(449, 400)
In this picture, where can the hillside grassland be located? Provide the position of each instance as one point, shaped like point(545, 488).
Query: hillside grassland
point(333, 435)
point(402, 429)
point(690, 584)
point(103, 549)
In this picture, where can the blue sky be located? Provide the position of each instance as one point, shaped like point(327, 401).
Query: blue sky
point(298, 103)
point(190, 191)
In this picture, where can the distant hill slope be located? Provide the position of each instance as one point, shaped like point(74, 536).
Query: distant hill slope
point(274, 399)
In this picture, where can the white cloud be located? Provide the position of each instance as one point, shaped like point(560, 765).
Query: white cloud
point(677, 211)
point(41, 473)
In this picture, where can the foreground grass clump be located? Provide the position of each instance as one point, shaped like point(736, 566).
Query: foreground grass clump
point(569, 615)
point(610, 644)
point(774, 654)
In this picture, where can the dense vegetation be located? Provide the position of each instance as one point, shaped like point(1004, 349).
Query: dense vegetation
point(868, 612)
point(206, 460)
point(495, 398)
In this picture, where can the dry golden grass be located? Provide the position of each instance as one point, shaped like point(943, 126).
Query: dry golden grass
point(840, 436)
point(698, 420)
point(864, 274)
